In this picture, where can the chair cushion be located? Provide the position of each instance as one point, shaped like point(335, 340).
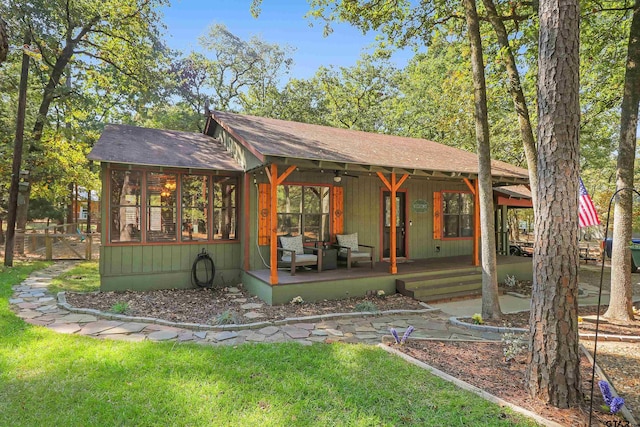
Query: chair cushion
point(300, 258)
point(360, 255)
point(348, 240)
point(293, 243)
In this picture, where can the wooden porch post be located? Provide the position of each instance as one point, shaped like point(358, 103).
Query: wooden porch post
point(393, 188)
point(476, 220)
point(275, 180)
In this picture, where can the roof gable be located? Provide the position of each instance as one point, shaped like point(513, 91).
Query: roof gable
point(280, 138)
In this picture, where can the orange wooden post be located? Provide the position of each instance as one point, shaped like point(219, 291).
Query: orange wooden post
point(272, 173)
point(393, 187)
point(476, 224)
point(273, 215)
point(473, 187)
point(393, 268)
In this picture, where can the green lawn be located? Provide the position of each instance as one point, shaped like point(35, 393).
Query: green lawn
point(49, 379)
point(84, 277)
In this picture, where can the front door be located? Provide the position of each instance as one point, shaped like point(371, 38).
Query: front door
point(400, 224)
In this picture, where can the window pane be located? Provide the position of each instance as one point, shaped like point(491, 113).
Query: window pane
point(125, 224)
point(224, 212)
point(289, 199)
point(466, 222)
point(451, 203)
point(458, 214)
point(316, 200)
point(224, 223)
point(451, 223)
point(288, 224)
point(125, 206)
point(161, 207)
point(125, 187)
point(195, 207)
point(316, 227)
point(467, 203)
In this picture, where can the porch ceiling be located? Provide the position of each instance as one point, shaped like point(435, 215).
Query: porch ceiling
point(369, 169)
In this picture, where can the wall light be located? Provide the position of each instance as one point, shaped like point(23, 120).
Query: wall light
point(337, 178)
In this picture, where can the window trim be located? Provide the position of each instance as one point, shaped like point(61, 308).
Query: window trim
point(442, 215)
point(213, 176)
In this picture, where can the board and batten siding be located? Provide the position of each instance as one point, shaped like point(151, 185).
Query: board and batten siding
point(363, 214)
point(149, 267)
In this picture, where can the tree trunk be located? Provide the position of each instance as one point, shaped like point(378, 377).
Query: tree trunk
point(4, 41)
point(620, 305)
point(553, 373)
point(17, 157)
point(490, 301)
point(519, 101)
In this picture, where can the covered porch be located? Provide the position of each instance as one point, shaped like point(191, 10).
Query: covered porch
point(435, 278)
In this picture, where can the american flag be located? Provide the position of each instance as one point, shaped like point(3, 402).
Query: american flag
point(587, 212)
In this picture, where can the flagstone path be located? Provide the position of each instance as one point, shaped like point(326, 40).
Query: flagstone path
point(32, 302)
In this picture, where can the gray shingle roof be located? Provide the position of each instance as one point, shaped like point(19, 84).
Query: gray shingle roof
point(158, 147)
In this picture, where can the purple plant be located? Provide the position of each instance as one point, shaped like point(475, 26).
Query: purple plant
point(395, 335)
point(614, 403)
point(606, 392)
point(408, 332)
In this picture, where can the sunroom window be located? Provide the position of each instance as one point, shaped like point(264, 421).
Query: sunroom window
point(125, 206)
point(176, 207)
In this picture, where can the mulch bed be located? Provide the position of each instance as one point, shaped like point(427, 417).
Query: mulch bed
point(483, 365)
point(205, 306)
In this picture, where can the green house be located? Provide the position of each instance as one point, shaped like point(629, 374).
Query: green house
point(235, 190)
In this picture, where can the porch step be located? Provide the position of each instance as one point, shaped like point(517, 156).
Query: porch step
point(442, 286)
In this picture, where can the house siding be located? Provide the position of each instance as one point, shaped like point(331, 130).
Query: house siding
point(163, 266)
point(362, 214)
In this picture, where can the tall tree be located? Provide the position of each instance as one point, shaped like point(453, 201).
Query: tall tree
point(121, 34)
point(17, 153)
point(620, 304)
point(4, 41)
point(553, 373)
point(490, 301)
point(239, 65)
point(517, 94)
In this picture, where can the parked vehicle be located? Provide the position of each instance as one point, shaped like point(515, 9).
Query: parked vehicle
point(608, 243)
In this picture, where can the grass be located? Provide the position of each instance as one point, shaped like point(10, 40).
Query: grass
point(54, 379)
point(84, 277)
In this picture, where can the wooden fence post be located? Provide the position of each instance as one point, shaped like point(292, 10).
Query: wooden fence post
point(48, 243)
point(87, 253)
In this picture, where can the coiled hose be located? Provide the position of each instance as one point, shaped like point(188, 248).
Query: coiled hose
point(209, 267)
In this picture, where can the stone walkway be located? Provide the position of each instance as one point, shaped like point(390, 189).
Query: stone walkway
point(32, 302)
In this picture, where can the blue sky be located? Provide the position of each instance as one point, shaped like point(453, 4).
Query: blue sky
point(281, 22)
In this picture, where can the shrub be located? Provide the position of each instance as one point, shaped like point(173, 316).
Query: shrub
point(514, 344)
point(510, 281)
point(297, 300)
point(120, 308)
point(477, 319)
point(366, 306)
point(227, 317)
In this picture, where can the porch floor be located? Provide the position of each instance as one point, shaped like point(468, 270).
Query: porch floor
point(411, 266)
